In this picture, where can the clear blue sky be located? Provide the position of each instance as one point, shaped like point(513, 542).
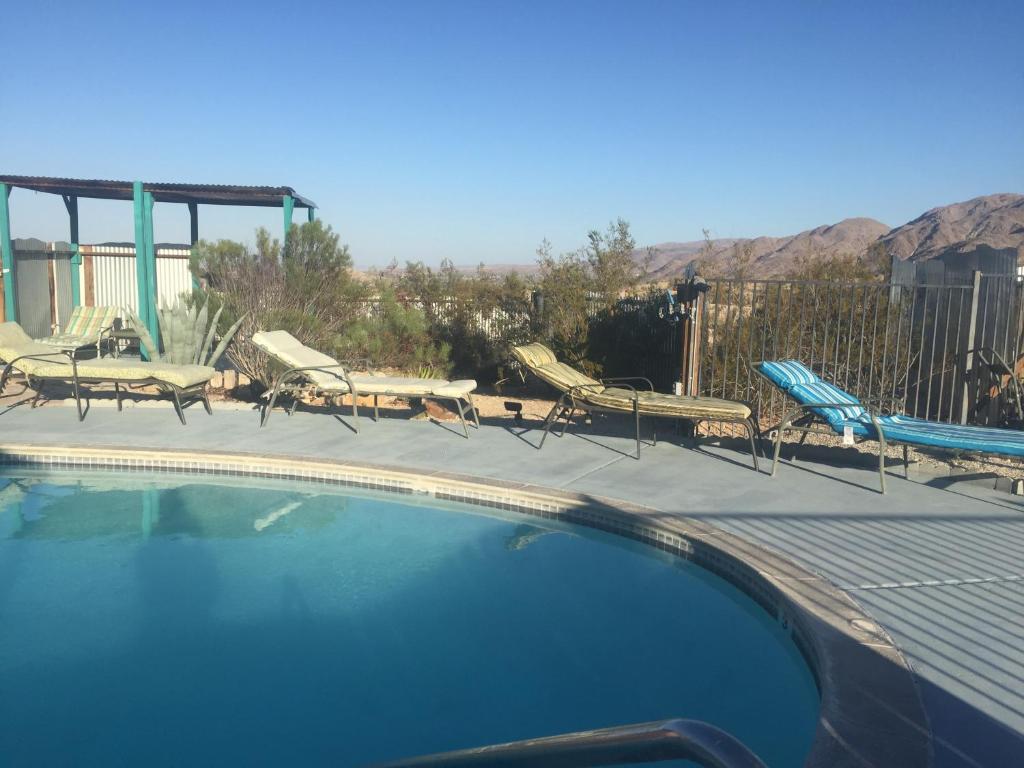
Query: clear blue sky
point(474, 130)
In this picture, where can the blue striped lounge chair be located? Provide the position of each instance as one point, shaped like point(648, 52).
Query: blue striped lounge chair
point(819, 402)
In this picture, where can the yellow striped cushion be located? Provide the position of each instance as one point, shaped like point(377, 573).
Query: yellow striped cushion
point(542, 362)
point(672, 406)
point(87, 322)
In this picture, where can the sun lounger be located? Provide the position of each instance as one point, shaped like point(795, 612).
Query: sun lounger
point(619, 395)
point(41, 363)
point(87, 327)
point(823, 407)
point(308, 370)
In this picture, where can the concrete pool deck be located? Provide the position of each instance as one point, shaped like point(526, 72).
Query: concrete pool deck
point(939, 564)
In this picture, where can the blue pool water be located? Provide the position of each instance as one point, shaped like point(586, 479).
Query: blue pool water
point(165, 621)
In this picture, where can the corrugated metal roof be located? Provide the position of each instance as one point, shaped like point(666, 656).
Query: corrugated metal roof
point(205, 194)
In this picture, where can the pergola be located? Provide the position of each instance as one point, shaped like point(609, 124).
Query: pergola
point(143, 194)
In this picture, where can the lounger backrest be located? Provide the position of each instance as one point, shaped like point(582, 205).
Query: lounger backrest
point(14, 343)
point(803, 385)
point(87, 322)
point(291, 352)
point(13, 336)
point(542, 362)
point(786, 374)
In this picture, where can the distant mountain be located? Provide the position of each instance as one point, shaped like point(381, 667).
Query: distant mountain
point(770, 256)
point(953, 233)
point(990, 222)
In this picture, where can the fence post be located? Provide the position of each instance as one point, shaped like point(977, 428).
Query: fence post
point(969, 357)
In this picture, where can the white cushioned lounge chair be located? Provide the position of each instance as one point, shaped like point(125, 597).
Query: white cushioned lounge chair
point(41, 363)
point(308, 370)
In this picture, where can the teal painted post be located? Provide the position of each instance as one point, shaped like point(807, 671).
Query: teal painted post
point(141, 281)
point(310, 215)
point(7, 254)
point(151, 321)
point(193, 219)
point(71, 203)
point(288, 204)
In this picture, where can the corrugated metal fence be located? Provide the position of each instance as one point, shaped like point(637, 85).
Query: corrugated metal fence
point(113, 275)
point(106, 278)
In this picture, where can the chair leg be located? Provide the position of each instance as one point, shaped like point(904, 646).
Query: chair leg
point(177, 405)
point(881, 459)
point(206, 401)
point(78, 398)
point(778, 446)
point(117, 395)
point(636, 418)
point(472, 407)
point(749, 423)
point(548, 421)
point(462, 416)
point(355, 411)
point(293, 406)
point(270, 404)
point(906, 461)
point(376, 410)
point(568, 422)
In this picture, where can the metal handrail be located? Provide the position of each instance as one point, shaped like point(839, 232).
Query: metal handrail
point(677, 739)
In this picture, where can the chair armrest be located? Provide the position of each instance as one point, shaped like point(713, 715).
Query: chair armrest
point(884, 404)
point(623, 379)
point(357, 363)
point(338, 371)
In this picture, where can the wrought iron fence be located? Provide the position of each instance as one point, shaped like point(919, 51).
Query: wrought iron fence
point(881, 342)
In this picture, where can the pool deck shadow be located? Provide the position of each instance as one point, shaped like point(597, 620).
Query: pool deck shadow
point(939, 564)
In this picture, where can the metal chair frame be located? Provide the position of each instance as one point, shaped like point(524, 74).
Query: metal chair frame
point(285, 384)
point(182, 396)
point(574, 399)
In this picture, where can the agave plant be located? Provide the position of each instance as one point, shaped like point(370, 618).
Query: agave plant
point(187, 334)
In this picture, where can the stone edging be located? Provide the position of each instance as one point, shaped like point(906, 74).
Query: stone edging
point(871, 713)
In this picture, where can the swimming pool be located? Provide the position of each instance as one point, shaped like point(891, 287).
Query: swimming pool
point(163, 620)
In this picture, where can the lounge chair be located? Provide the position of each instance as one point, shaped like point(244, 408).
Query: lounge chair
point(41, 363)
point(824, 408)
point(308, 370)
point(618, 395)
point(87, 327)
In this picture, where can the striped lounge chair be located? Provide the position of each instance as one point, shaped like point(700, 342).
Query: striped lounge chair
point(308, 370)
point(620, 395)
point(87, 327)
point(824, 407)
point(42, 363)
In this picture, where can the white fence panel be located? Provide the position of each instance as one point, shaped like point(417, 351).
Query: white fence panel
point(173, 278)
point(116, 282)
point(114, 276)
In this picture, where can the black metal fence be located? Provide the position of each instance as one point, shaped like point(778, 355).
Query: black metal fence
point(881, 342)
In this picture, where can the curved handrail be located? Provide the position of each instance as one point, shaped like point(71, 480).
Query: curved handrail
point(676, 739)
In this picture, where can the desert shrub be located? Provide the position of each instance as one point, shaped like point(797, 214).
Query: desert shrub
point(394, 335)
point(305, 288)
point(478, 316)
point(582, 292)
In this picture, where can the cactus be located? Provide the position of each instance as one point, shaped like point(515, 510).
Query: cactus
point(187, 334)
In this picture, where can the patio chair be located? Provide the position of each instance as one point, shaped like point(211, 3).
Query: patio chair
point(311, 371)
point(824, 408)
point(618, 395)
point(41, 363)
point(87, 327)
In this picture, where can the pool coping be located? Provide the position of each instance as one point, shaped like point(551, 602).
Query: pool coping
point(871, 710)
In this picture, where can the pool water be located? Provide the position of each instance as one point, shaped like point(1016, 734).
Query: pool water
point(166, 621)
